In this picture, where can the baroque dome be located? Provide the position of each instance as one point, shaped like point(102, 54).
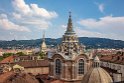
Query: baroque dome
point(97, 75)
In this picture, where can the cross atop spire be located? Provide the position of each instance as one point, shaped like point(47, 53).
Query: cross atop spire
point(70, 25)
point(69, 14)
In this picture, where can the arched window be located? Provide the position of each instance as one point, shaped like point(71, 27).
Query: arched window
point(58, 67)
point(81, 66)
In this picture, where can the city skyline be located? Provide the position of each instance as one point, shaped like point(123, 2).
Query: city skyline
point(27, 19)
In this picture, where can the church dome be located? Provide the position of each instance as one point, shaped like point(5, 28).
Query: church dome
point(97, 75)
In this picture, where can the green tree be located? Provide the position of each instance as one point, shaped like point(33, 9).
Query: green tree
point(20, 53)
point(7, 55)
point(42, 55)
point(1, 58)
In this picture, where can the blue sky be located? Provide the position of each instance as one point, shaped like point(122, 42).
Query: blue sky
point(27, 19)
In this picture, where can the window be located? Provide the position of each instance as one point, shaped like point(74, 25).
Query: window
point(81, 66)
point(58, 67)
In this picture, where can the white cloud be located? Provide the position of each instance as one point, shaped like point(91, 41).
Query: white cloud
point(32, 15)
point(25, 18)
point(87, 33)
point(101, 7)
point(42, 12)
point(39, 24)
point(32, 10)
point(64, 26)
point(106, 25)
point(8, 25)
point(16, 16)
point(21, 7)
point(104, 22)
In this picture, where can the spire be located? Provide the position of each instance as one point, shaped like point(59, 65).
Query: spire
point(43, 45)
point(43, 38)
point(70, 26)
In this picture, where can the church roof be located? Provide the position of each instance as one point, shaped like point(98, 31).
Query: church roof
point(97, 75)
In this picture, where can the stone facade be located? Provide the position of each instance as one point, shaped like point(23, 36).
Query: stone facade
point(68, 55)
point(37, 70)
point(114, 64)
point(118, 75)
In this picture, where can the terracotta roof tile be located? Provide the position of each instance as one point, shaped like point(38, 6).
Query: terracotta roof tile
point(5, 76)
point(34, 63)
point(18, 78)
point(116, 58)
point(9, 59)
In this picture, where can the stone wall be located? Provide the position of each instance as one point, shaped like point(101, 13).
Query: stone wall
point(119, 68)
point(38, 70)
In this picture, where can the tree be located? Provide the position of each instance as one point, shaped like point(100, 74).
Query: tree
point(20, 53)
point(42, 55)
point(1, 58)
point(7, 55)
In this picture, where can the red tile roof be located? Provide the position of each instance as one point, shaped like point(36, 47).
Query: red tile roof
point(9, 59)
point(115, 58)
point(34, 63)
point(8, 77)
point(5, 76)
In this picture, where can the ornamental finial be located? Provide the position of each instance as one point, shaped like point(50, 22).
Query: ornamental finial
point(69, 14)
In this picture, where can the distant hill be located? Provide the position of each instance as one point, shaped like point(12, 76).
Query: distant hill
point(88, 42)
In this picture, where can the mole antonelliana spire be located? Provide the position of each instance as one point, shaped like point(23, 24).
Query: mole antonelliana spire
point(43, 45)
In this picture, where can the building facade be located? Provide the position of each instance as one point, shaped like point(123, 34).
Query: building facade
point(69, 63)
point(114, 64)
